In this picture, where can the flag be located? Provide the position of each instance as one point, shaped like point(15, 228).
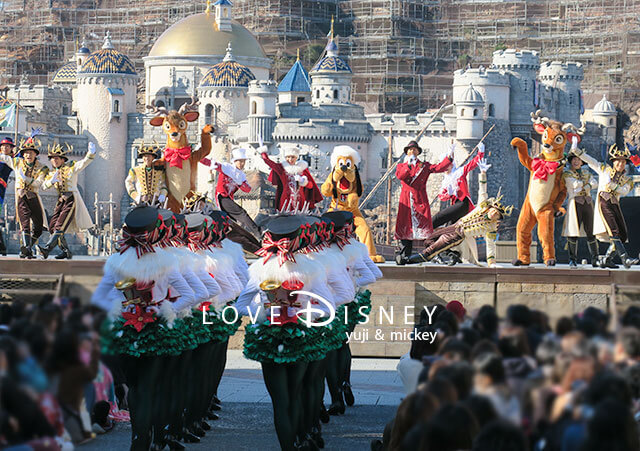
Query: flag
point(8, 115)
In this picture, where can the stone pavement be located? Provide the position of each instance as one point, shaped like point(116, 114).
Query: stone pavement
point(246, 421)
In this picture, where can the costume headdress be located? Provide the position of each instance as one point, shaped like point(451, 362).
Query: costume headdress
point(31, 142)
point(56, 150)
point(616, 154)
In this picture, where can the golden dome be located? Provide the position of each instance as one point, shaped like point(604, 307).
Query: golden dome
point(199, 35)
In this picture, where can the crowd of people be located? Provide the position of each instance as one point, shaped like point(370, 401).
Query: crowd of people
point(520, 383)
point(56, 391)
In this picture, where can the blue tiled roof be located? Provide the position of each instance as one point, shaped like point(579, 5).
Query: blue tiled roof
point(223, 2)
point(227, 73)
point(296, 80)
point(108, 61)
point(66, 74)
point(331, 64)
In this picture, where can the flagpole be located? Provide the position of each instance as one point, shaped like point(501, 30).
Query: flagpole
point(15, 131)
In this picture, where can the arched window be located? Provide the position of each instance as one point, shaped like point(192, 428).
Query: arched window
point(335, 93)
point(207, 113)
point(159, 103)
point(254, 107)
point(318, 94)
point(475, 112)
point(462, 112)
point(65, 110)
point(116, 106)
point(611, 121)
point(492, 110)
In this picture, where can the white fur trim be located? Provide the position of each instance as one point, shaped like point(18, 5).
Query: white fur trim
point(304, 269)
point(344, 151)
point(167, 312)
point(150, 266)
point(290, 150)
point(295, 169)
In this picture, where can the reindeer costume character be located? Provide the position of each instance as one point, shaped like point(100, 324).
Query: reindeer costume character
point(181, 162)
point(547, 189)
point(30, 174)
point(146, 182)
point(70, 214)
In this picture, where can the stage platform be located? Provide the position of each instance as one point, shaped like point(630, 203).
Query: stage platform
point(405, 290)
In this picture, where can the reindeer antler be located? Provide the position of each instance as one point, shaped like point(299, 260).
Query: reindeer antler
point(537, 119)
point(158, 111)
point(193, 106)
point(570, 128)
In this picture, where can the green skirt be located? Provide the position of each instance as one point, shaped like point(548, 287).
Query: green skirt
point(214, 329)
point(362, 299)
point(288, 343)
point(155, 339)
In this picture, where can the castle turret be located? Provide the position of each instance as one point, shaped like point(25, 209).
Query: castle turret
point(331, 77)
point(223, 93)
point(605, 115)
point(107, 84)
point(521, 66)
point(562, 83)
point(295, 87)
point(223, 14)
point(493, 86)
point(82, 54)
point(262, 115)
point(469, 114)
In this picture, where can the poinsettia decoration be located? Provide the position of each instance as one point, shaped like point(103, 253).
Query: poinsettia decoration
point(203, 307)
point(139, 318)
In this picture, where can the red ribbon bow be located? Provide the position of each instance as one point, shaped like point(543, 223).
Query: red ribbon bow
point(196, 241)
point(543, 168)
point(175, 157)
point(140, 241)
point(281, 248)
point(342, 237)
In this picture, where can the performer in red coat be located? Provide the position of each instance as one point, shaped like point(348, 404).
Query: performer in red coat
point(455, 190)
point(295, 187)
point(231, 178)
point(414, 213)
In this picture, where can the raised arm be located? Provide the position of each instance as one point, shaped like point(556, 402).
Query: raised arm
point(470, 166)
point(205, 144)
point(86, 161)
point(523, 153)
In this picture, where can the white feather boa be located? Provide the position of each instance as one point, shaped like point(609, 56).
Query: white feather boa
point(304, 269)
point(150, 266)
point(295, 169)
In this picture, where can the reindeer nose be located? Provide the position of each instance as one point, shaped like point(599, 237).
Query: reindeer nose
point(546, 145)
point(174, 134)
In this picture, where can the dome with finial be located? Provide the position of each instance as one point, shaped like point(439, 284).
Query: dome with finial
point(331, 62)
point(471, 95)
point(108, 61)
point(66, 74)
point(604, 106)
point(228, 73)
point(84, 48)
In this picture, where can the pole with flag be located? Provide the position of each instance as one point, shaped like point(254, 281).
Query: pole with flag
point(8, 116)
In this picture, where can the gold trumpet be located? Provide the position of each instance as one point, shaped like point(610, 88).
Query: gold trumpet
point(270, 287)
point(135, 292)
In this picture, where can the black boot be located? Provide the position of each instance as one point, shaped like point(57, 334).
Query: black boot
point(66, 253)
point(349, 399)
point(593, 251)
point(622, 253)
point(3, 248)
point(25, 246)
point(606, 261)
point(416, 258)
point(406, 246)
point(50, 245)
point(572, 245)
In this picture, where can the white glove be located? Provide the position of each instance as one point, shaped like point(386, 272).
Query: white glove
point(302, 181)
point(214, 166)
point(263, 149)
point(483, 165)
point(481, 148)
point(574, 143)
point(162, 198)
point(452, 150)
point(92, 148)
point(55, 178)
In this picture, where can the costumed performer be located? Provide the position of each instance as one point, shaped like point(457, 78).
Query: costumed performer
point(145, 182)
point(6, 148)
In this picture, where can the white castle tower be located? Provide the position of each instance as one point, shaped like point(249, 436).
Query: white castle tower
point(262, 111)
point(563, 81)
point(521, 66)
point(606, 116)
point(469, 114)
point(493, 86)
point(106, 95)
point(331, 77)
point(223, 14)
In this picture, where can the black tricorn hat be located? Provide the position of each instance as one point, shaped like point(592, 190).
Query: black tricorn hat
point(412, 144)
point(142, 219)
point(195, 221)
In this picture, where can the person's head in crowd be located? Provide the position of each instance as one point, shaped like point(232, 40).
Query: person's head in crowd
point(452, 428)
point(9, 350)
point(421, 348)
point(599, 317)
point(547, 351)
point(572, 340)
point(35, 337)
point(6, 316)
point(418, 407)
point(579, 374)
point(518, 315)
point(484, 346)
point(500, 435)
point(443, 389)
point(631, 375)
point(608, 385)
point(469, 336)
point(627, 348)
point(460, 374)
point(587, 325)
point(631, 317)
point(486, 323)
point(513, 342)
point(446, 317)
point(540, 322)
point(481, 408)
point(454, 349)
point(489, 372)
point(50, 317)
point(564, 325)
point(457, 309)
point(604, 350)
point(611, 427)
point(65, 352)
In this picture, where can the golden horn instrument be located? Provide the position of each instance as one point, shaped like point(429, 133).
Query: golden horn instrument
point(270, 287)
